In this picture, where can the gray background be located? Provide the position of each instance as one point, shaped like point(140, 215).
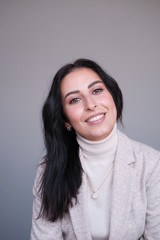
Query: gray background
point(38, 37)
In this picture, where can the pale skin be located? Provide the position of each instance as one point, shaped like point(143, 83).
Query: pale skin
point(88, 105)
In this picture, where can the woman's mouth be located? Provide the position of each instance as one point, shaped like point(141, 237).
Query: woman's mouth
point(96, 119)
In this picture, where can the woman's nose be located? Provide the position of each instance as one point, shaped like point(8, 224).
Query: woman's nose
point(90, 104)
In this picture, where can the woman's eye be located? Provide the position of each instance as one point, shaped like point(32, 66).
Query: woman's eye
point(74, 100)
point(97, 91)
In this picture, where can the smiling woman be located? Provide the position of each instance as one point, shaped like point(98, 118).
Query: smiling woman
point(85, 94)
point(94, 182)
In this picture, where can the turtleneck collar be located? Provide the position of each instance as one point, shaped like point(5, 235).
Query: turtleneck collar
point(101, 147)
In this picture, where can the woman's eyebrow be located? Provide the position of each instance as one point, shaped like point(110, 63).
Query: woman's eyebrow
point(72, 92)
point(93, 83)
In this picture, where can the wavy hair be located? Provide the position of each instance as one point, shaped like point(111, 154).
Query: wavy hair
point(62, 175)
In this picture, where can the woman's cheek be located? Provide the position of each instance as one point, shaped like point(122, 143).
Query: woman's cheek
point(71, 113)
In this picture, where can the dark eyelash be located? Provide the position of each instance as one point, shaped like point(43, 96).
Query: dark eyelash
point(74, 100)
point(98, 90)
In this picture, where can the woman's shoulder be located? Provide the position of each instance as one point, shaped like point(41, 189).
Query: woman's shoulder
point(139, 147)
point(146, 158)
point(39, 175)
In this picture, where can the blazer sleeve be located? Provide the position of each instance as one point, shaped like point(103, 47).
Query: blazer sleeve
point(152, 226)
point(41, 228)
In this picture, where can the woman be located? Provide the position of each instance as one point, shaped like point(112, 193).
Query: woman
point(94, 182)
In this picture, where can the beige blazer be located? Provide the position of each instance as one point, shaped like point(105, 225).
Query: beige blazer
point(135, 209)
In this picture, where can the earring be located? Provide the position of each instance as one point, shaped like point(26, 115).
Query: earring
point(69, 128)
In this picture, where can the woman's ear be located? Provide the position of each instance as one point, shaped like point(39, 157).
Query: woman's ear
point(68, 126)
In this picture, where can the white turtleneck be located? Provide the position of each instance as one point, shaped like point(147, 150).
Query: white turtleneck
point(97, 158)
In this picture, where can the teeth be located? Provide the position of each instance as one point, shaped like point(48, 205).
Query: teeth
point(95, 118)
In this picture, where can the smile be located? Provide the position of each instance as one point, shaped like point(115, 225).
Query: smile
point(96, 118)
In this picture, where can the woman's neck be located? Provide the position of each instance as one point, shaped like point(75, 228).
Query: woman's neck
point(102, 149)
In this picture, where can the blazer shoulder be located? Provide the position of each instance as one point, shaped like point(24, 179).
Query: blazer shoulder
point(138, 147)
point(145, 157)
point(148, 151)
point(38, 177)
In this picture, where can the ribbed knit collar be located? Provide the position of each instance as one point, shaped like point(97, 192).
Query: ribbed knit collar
point(102, 147)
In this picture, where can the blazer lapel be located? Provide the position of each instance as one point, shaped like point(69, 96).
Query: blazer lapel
point(122, 190)
point(78, 214)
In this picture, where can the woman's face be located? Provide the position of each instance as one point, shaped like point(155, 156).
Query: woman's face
point(88, 104)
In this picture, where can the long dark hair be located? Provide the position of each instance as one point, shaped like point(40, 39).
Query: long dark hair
point(62, 175)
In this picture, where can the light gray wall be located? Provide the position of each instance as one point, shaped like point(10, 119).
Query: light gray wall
point(37, 37)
